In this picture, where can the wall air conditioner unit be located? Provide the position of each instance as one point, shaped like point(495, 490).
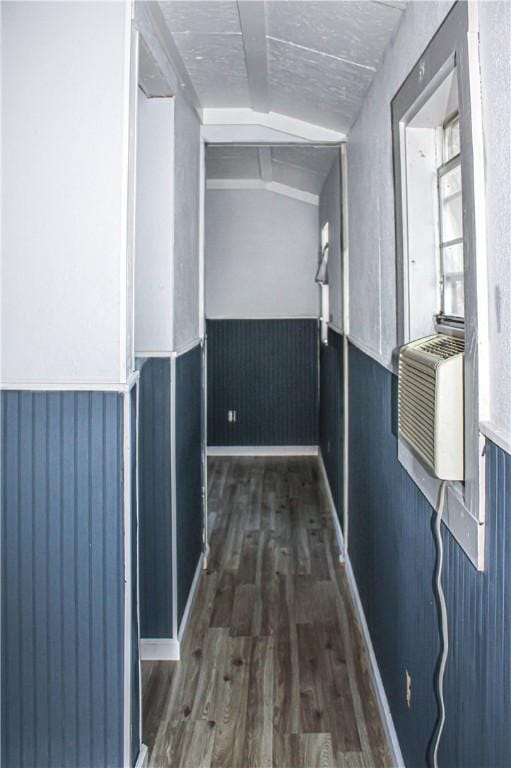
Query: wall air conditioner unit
point(430, 403)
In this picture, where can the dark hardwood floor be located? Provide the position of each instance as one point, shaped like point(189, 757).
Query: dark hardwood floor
point(273, 672)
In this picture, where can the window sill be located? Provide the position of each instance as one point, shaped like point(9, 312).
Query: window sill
point(466, 529)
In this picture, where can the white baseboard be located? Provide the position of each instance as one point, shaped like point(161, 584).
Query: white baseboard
point(159, 649)
point(143, 757)
point(381, 696)
point(262, 450)
point(333, 510)
point(191, 598)
point(168, 649)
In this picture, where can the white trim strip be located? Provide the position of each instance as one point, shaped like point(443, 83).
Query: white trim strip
point(143, 757)
point(266, 317)
point(191, 599)
point(71, 386)
point(237, 117)
point(498, 435)
point(263, 186)
point(335, 328)
point(363, 347)
point(184, 348)
point(262, 450)
point(381, 696)
point(159, 649)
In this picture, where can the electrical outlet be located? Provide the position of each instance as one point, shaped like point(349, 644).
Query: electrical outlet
point(408, 689)
point(231, 416)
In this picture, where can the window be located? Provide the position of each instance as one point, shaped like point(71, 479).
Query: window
point(450, 217)
point(440, 245)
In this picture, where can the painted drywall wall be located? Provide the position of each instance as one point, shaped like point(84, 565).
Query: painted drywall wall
point(371, 194)
point(261, 255)
point(65, 80)
point(186, 224)
point(330, 211)
point(495, 34)
point(154, 231)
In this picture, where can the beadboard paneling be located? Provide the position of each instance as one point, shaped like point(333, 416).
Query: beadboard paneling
point(155, 500)
point(267, 371)
point(62, 579)
point(189, 514)
point(331, 415)
point(393, 557)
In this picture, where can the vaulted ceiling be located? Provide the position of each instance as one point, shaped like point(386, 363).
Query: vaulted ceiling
point(301, 167)
point(311, 60)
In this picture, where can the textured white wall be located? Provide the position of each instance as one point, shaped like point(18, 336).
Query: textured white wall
point(371, 194)
point(154, 225)
point(186, 227)
point(372, 286)
point(261, 255)
point(495, 51)
point(330, 210)
point(65, 69)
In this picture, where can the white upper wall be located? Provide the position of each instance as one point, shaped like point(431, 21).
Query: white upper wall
point(65, 118)
point(330, 211)
point(154, 225)
point(261, 255)
point(372, 285)
point(186, 224)
point(495, 47)
point(372, 282)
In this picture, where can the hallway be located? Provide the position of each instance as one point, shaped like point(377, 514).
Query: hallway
point(272, 670)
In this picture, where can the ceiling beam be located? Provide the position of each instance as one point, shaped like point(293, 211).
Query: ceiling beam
point(265, 163)
point(151, 24)
point(253, 28)
point(246, 125)
point(266, 186)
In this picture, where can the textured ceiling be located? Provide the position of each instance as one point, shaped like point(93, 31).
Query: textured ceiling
point(309, 59)
point(303, 167)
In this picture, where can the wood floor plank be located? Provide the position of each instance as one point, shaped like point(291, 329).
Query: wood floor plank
point(273, 671)
point(258, 745)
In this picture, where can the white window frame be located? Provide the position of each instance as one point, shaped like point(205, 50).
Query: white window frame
point(453, 49)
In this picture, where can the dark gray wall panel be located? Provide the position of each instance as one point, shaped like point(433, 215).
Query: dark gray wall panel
point(189, 522)
point(155, 499)
point(135, 653)
point(266, 370)
point(331, 415)
point(62, 579)
point(393, 557)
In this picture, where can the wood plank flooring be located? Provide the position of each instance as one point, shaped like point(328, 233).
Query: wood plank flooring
point(273, 672)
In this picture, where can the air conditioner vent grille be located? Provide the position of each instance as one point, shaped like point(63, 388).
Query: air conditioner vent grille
point(430, 402)
point(417, 396)
point(443, 346)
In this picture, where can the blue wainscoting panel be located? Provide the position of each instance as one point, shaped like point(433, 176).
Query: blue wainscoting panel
point(62, 579)
point(155, 536)
point(393, 557)
point(267, 371)
point(331, 415)
point(189, 522)
point(135, 742)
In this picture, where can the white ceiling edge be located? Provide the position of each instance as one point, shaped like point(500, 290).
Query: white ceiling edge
point(268, 186)
point(233, 119)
